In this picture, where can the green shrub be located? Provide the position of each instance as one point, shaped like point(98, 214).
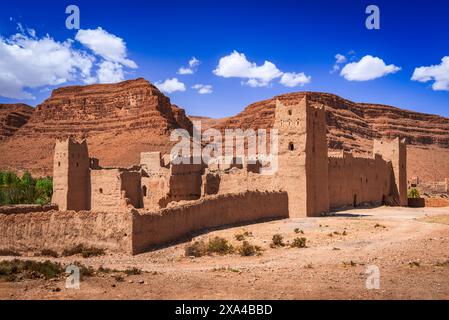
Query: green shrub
point(299, 243)
point(15, 269)
point(119, 278)
point(49, 253)
point(239, 237)
point(277, 241)
point(9, 253)
point(247, 249)
point(133, 272)
point(86, 252)
point(216, 245)
point(196, 249)
point(220, 246)
point(413, 193)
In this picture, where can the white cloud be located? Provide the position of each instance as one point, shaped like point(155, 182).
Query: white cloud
point(368, 68)
point(193, 63)
point(203, 88)
point(110, 72)
point(28, 63)
point(171, 85)
point(438, 73)
point(236, 65)
point(291, 79)
point(339, 59)
point(108, 46)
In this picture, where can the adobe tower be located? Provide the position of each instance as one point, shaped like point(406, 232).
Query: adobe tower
point(303, 164)
point(71, 175)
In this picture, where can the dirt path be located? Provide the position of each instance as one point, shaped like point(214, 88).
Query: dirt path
point(408, 251)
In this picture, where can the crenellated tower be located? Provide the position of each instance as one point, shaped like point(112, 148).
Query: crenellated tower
point(71, 175)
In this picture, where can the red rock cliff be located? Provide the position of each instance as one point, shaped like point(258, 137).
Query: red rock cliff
point(12, 117)
point(121, 120)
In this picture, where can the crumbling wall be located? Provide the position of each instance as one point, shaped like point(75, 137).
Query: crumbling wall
point(395, 151)
point(185, 181)
point(150, 229)
point(237, 181)
point(354, 181)
point(131, 185)
point(58, 230)
point(106, 190)
point(26, 208)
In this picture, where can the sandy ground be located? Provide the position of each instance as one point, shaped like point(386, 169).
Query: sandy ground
point(407, 245)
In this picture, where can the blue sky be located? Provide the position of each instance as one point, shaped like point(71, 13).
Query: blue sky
point(298, 38)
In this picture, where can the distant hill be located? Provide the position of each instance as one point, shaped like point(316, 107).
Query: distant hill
point(121, 120)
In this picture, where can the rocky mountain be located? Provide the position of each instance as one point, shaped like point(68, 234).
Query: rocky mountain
point(120, 120)
point(353, 126)
point(12, 117)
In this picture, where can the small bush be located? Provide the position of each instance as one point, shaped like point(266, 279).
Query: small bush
point(78, 249)
point(85, 271)
point(349, 264)
point(9, 253)
point(196, 249)
point(277, 241)
point(443, 264)
point(413, 193)
point(86, 252)
point(119, 278)
point(133, 272)
point(104, 270)
point(297, 230)
point(49, 253)
point(414, 264)
point(379, 226)
point(239, 237)
point(92, 252)
point(299, 243)
point(248, 234)
point(247, 249)
point(16, 269)
point(220, 246)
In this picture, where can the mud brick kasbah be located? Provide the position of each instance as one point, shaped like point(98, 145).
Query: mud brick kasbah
point(133, 209)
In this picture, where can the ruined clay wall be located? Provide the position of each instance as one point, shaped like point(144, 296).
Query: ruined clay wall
point(131, 185)
point(58, 230)
point(237, 181)
point(156, 188)
point(173, 223)
point(355, 181)
point(106, 190)
point(185, 181)
point(395, 151)
point(26, 208)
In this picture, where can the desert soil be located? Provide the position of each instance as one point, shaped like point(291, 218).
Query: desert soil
point(409, 246)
